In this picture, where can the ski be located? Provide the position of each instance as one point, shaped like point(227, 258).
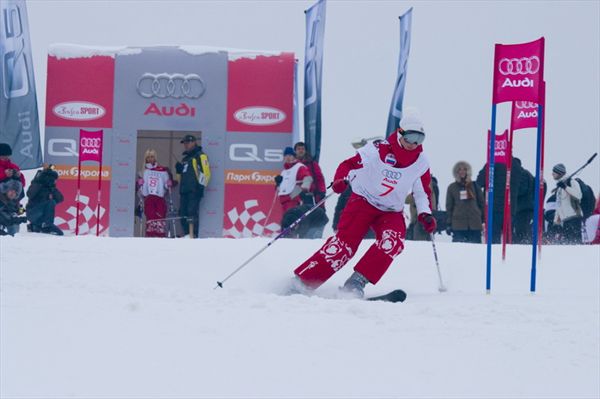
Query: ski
point(393, 296)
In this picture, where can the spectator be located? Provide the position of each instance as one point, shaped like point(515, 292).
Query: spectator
point(464, 206)
point(10, 190)
point(499, 188)
point(154, 184)
point(42, 199)
point(10, 171)
point(194, 174)
point(317, 188)
point(591, 233)
point(294, 185)
point(568, 214)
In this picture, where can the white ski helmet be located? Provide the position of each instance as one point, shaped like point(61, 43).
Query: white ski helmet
point(411, 127)
point(411, 121)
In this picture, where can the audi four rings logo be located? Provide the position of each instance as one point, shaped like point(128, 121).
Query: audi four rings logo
point(519, 66)
point(525, 105)
point(90, 142)
point(177, 85)
point(390, 174)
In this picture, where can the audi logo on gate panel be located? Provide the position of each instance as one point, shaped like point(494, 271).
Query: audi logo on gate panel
point(90, 142)
point(176, 85)
point(390, 174)
point(525, 105)
point(519, 66)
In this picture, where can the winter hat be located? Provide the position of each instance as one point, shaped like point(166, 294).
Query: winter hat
point(188, 139)
point(289, 151)
point(11, 185)
point(5, 149)
point(559, 169)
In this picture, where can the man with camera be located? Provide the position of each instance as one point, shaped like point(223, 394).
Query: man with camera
point(43, 197)
point(10, 191)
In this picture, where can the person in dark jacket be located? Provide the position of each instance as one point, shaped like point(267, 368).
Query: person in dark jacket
point(10, 191)
point(194, 174)
point(42, 199)
point(464, 206)
point(499, 188)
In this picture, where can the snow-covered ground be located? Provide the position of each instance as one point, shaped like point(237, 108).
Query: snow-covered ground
point(94, 317)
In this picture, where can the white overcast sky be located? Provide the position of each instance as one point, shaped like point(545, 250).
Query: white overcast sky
point(449, 71)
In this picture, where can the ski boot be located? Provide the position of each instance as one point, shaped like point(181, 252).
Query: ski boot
point(355, 286)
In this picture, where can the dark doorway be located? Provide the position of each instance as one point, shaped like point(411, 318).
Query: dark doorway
point(168, 149)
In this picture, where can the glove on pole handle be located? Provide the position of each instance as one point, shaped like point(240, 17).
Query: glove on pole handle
point(441, 288)
point(283, 233)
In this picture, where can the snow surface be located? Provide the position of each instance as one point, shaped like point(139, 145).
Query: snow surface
point(69, 50)
point(120, 318)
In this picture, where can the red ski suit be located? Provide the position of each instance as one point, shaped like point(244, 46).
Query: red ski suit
point(356, 219)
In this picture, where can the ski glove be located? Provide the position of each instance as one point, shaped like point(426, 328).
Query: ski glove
point(563, 184)
point(428, 222)
point(340, 185)
point(278, 180)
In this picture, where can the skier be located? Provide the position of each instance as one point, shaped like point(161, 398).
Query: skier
point(381, 176)
point(154, 184)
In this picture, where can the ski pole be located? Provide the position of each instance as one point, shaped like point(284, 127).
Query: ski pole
point(441, 288)
point(584, 165)
point(271, 209)
point(283, 233)
point(173, 228)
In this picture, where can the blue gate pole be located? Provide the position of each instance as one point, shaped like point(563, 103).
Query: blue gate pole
point(536, 205)
point(490, 217)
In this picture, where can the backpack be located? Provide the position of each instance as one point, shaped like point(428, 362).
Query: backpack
point(587, 199)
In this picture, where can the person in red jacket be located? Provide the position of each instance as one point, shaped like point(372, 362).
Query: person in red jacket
point(9, 170)
point(294, 182)
point(317, 189)
point(381, 175)
point(592, 226)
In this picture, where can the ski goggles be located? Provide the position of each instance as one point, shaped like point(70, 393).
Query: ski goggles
point(412, 136)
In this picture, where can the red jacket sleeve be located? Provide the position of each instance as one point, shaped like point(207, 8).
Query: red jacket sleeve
point(319, 178)
point(346, 166)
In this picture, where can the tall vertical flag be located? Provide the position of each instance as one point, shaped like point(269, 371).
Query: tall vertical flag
point(518, 76)
point(19, 121)
point(313, 71)
point(396, 106)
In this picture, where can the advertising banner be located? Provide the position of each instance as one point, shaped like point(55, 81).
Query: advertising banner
point(238, 104)
point(19, 120)
point(524, 114)
point(66, 211)
point(518, 71)
point(80, 91)
point(260, 94)
point(313, 73)
point(396, 107)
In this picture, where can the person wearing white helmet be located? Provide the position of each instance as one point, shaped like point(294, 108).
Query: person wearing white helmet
point(381, 175)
